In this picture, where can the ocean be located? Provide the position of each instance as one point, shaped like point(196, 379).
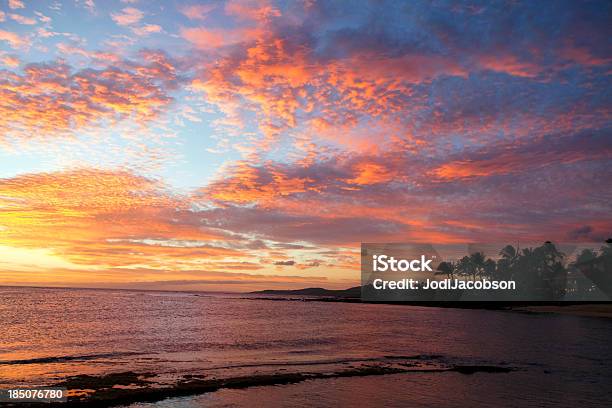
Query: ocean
point(203, 349)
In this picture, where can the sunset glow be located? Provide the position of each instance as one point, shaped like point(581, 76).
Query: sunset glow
point(244, 145)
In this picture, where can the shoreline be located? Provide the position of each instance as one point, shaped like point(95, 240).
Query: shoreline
point(598, 309)
point(125, 388)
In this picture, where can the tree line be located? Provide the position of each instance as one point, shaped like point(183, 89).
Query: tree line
point(543, 270)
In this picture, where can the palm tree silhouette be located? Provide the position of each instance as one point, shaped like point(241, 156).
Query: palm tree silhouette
point(477, 259)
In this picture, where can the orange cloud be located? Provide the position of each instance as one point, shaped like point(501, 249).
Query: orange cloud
point(244, 184)
point(98, 217)
point(14, 40)
point(87, 226)
point(51, 99)
point(509, 64)
point(371, 173)
point(287, 85)
point(10, 61)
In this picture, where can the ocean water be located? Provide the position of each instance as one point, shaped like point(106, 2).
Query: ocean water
point(49, 335)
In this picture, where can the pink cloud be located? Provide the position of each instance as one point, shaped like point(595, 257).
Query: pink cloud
point(251, 10)
point(10, 61)
point(90, 5)
point(16, 4)
point(197, 11)
point(583, 56)
point(14, 40)
point(509, 64)
point(22, 19)
point(147, 29)
point(128, 16)
point(207, 39)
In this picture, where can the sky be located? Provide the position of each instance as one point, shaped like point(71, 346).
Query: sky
point(244, 145)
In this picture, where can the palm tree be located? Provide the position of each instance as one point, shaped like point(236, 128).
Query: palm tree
point(506, 264)
point(446, 268)
point(464, 266)
point(490, 268)
point(477, 259)
point(509, 253)
point(542, 270)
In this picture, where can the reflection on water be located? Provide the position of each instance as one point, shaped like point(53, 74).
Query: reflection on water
point(49, 334)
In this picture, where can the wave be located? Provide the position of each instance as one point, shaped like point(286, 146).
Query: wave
point(63, 359)
point(419, 357)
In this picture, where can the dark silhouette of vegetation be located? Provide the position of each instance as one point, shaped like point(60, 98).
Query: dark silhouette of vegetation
point(541, 272)
point(447, 268)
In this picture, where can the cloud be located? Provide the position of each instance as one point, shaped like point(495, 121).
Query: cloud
point(147, 29)
point(10, 61)
point(311, 263)
point(251, 10)
point(529, 156)
point(509, 64)
point(285, 263)
point(205, 38)
point(292, 226)
point(402, 195)
point(54, 99)
point(89, 225)
point(291, 80)
point(304, 68)
point(246, 184)
point(22, 19)
point(90, 5)
point(583, 56)
point(371, 173)
point(14, 40)
point(587, 233)
point(197, 11)
point(43, 18)
point(128, 16)
point(15, 4)
point(92, 217)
